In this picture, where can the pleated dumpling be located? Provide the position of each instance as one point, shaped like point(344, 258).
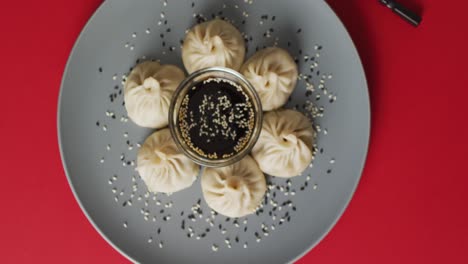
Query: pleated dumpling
point(235, 190)
point(213, 43)
point(273, 73)
point(285, 146)
point(162, 167)
point(148, 92)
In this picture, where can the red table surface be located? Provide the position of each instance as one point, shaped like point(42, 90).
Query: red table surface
point(411, 203)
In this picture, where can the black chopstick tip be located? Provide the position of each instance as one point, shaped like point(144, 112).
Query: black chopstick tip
point(408, 15)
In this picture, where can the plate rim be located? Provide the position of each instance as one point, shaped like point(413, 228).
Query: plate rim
point(340, 211)
point(59, 136)
point(368, 131)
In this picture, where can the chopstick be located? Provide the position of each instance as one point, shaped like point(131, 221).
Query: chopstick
point(403, 12)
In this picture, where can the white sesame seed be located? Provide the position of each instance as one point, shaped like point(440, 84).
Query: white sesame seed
point(214, 247)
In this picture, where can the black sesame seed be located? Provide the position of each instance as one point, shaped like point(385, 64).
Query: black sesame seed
point(97, 123)
point(299, 30)
point(193, 4)
point(302, 188)
point(161, 211)
point(294, 208)
point(165, 22)
point(182, 213)
point(203, 235)
point(161, 35)
point(237, 239)
point(289, 218)
point(321, 150)
point(273, 18)
point(100, 69)
point(124, 204)
point(306, 184)
point(168, 30)
point(243, 22)
point(159, 230)
point(329, 171)
point(183, 224)
point(245, 229)
point(207, 230)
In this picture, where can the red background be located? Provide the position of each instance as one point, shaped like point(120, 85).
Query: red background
point(411, 204)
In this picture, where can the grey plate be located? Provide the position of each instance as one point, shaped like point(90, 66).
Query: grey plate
point(98, 156)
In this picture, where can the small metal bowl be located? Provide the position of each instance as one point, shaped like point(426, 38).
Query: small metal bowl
point(176, 102)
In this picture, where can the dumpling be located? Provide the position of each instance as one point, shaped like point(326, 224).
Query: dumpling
point(285, 146)
point(148, 92)
point(273, 73)
point(162, 167)
point(235, 190)
point(213, 43)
